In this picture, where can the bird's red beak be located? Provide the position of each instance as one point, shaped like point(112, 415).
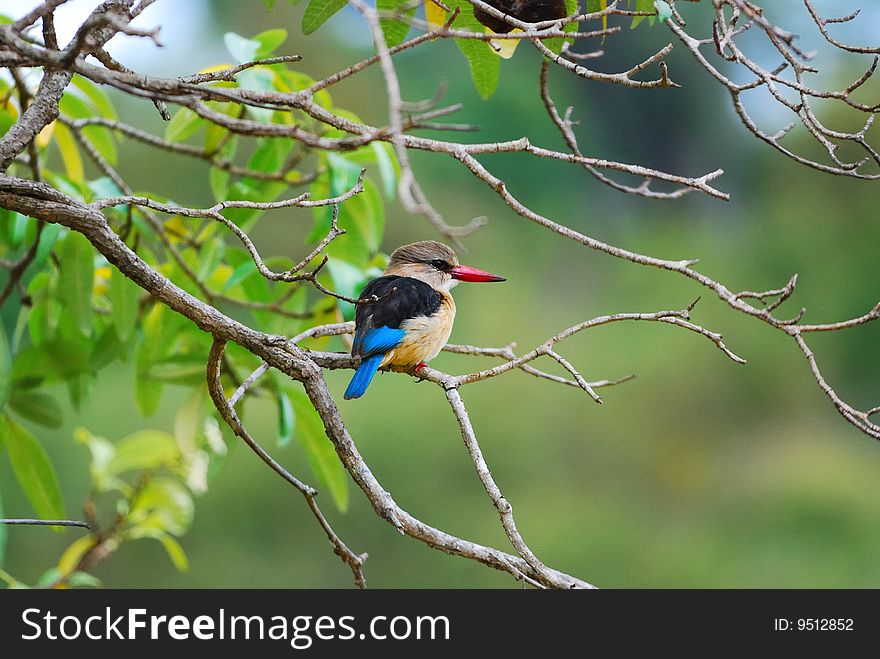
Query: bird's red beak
point(464, 273)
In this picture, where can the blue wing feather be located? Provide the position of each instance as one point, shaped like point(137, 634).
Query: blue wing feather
point(363, 376)
point(379, 339)
point(371, 346)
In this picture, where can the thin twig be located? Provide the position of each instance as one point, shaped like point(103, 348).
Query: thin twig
point(45, 522)
point(215, 388)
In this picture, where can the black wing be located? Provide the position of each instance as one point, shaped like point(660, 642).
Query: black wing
point(529, 11)
point(534, 11)
point(400, 298)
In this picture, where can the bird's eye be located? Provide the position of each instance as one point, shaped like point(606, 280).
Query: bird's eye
point(440, 264)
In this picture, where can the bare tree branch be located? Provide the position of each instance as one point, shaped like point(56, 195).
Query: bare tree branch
point(315, 128)
point(45, 522)
point(227, 413)
point(48, 204)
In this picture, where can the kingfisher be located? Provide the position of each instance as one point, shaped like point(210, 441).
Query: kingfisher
point(528, 11)
point(404, 318)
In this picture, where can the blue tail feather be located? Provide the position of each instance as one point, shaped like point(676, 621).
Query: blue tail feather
point(363, 376)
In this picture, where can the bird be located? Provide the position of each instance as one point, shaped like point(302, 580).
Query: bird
point(404, 318)
point(527, 11)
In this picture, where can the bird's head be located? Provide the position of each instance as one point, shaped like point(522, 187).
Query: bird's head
point(435, 264)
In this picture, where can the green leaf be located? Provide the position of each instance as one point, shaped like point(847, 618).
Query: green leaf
point(664, 11)
point(2, 528)
point(360, 217)
point(172, 547)
point(188, 420)
point(210, 258)
point(72, 555)
point(34, 472)
point(102, 139)
point(124, 297)
point(373, 226)
point(107, 347)
point(261, 80)
point(145, 449)
point(642, 5)
point(37, 406)
point(156, 330)
point(269, 4)
point(242, 50)
point(175, 552)
point(96, 95)
point(363, 219)
point(74, 106)
point(47, 242)
point(214, 135)
point(49, 361)
point(187, 370)
point(219, 180)
point(395, 29)
point(77, 260)
point(102, 452)
point(595, 6)
point(571, 7)
point(242, 272)
point(73, 163)
point(5, 367)
point(484, 64)
point(103, 188)
point(347, 280)
point(7, 119)
point(49, 577)
point(152, 349)
point(80, 389)
point(14, 227)
point(42, 319)
point(269, 41)
point(83, 580)
point(164, 505)
point(269, 155)
point(183, 124)
point(286, 420)
point(389, 169)
point(319, 451)
point(319, 12)
point(255, 288)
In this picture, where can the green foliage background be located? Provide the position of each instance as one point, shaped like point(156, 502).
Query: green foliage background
point(699, 473)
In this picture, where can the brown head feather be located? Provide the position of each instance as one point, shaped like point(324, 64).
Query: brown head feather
point(423, 251)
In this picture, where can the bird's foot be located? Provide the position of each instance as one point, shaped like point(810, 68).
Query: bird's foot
point(418, 367)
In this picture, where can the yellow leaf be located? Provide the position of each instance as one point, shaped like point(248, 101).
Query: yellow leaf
point(504, 48)
point(280, 83)
point(176, 229)
point(435, 14)
point(218, 278)
point(216, 67)
point(102, 278)
point(8, 105)
point(73, 163)
point(45, 135)
point(72, 555)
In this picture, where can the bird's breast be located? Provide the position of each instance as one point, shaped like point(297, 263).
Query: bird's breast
point(425, 335)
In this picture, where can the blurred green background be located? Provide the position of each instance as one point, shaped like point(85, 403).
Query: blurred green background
point(698, 473)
